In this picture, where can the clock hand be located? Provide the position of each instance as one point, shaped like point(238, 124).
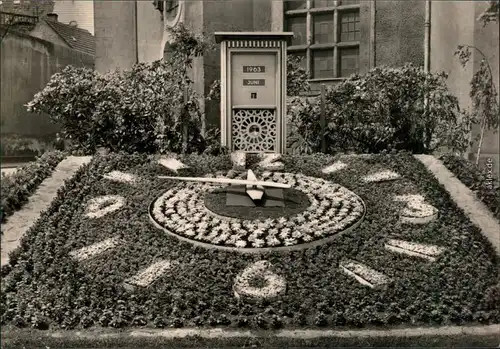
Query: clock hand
point(230, 181)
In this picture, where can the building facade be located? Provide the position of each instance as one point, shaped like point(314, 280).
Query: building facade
point(336, 37)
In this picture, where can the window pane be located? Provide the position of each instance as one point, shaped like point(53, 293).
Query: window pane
point(302, 56)
point(349, 61)
point(323, 3)
point(322, 64)
point(349, 26)
point(297, 25)
point(323, 28)
point(349, 2)
point(295, 5)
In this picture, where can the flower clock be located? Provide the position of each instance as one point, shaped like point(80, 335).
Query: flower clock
point(314, 210)
point(259, 240)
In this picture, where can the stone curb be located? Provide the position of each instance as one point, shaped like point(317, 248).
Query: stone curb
point(282, 334)
point(21, 221)
point(473, 208)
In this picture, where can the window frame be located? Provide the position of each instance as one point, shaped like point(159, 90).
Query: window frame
point(336, 45)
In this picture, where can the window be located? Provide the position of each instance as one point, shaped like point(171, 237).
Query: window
point(327, 34)
point(349, 61)
point(349, 26)
point(298, 26)
point(323, 28)
point(322, 63)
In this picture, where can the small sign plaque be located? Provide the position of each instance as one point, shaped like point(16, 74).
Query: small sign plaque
point(254, 82)
point(254, 69)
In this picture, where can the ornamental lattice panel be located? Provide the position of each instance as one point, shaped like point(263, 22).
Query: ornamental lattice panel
point(254, 130)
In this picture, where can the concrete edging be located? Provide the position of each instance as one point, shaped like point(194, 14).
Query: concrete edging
point(282, 334)
point(473, 208)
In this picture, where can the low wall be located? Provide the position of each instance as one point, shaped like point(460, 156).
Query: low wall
point(27, 63)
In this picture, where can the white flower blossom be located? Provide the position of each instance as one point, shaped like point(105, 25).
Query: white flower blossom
point(241, 243)
point(290, 242)
point(257, 243)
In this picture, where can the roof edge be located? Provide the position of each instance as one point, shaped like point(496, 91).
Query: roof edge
point(57, 32)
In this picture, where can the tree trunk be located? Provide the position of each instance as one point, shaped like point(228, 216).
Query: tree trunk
point(480, 144)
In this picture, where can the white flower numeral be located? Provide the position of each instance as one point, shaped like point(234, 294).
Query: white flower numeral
point(274, 284)
point(416, 210)
point(146, 277)
point(119, 176)
point(87, 252)
point(103, 205)
point(430, 252)
point(172, 164)
point(269, 162)
point(381, 176)
point(336, 166)
point(363, 274)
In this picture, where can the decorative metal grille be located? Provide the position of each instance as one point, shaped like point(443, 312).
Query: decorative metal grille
point(253, 44)
point(254, 130)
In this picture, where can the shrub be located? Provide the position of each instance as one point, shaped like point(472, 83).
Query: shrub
point(151, 107)
point(383, 110)
point(125, 111)
point(18, 187)
point(476, 179)
point(296, 76)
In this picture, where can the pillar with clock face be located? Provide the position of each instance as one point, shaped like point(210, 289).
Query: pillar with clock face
point(253, 91)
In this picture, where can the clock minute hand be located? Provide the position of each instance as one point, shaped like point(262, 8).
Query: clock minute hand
point(230, 181)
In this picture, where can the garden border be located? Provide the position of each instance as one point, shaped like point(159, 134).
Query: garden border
point(474, 209)
point(466, 336)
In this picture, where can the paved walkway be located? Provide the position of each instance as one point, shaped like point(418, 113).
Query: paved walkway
point(477, 212)
point(22, 220)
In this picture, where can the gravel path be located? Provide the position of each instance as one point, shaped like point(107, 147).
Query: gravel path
point(23, 219)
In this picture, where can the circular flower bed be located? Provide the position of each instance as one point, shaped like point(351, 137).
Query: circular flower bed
point(181, 211)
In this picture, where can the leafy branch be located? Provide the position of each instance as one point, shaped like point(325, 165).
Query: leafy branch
point(491, 14)
point(185, 47)
point(483, 93)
